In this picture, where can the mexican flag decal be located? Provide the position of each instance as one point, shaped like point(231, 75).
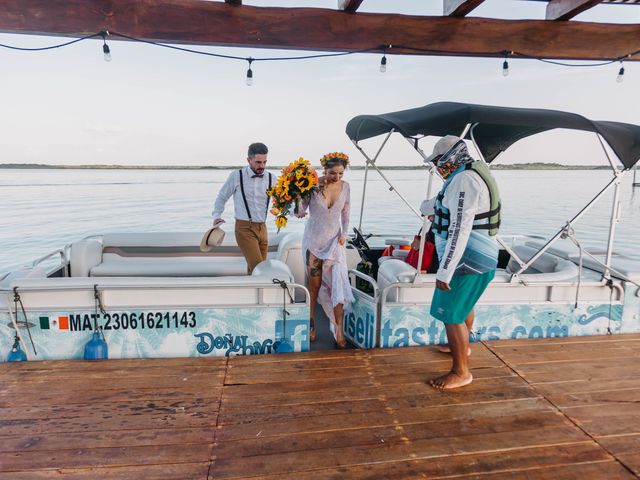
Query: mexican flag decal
point(61, 322)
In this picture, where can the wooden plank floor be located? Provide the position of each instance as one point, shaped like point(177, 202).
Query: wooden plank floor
point(538, 409)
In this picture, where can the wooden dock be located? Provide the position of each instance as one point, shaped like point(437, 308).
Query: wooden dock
point(538, 409)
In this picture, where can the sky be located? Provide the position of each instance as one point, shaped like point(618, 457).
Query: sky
point(155, 106)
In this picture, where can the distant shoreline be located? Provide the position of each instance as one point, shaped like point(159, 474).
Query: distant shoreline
point(40, 166)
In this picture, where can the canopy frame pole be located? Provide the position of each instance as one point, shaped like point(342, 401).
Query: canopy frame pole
point(364, 188)
point(547, 245)
point(615, 209)
point(428, 164)
point(423, 235)
point(366, 170)
point(499, 239)
point(475, 144)
point(606, 154)
point(615, 219)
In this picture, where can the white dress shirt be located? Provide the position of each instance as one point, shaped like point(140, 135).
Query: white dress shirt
point(255, 190)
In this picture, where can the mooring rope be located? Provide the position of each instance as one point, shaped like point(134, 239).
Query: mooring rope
point(286, 292)
point(98, 303)
point(16, 300)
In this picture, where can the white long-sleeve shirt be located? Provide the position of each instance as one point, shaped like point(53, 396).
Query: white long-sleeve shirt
point(465, 196)
point(255, 190)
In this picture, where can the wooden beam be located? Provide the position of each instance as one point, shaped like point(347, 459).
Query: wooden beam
point(349, 5)
point(216, 23)
point(567, 9)
point(459, 8)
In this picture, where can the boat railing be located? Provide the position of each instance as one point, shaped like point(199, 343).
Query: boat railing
point(94, 286)
point(617, 290)
point(60, 251)
point(369, 280)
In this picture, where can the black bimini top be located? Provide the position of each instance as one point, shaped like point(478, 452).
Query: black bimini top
point(497, 128)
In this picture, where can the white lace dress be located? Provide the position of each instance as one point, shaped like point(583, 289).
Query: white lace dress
point(324, 226)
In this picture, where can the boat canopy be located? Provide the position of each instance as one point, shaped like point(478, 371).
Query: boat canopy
point(494, 128)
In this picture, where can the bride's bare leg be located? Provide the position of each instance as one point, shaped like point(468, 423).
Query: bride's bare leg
point(314, 269)
point(338, 313)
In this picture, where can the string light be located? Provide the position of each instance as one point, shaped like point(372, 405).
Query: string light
point(505, 65)
point(383, 62)
point(620, 76)
point(105, 47)
point(249, 73)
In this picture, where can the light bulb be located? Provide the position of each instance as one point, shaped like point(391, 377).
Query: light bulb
point(107, 52)
point(383, 64)
point(620, 77)
point(249, 77)
point(505, 69)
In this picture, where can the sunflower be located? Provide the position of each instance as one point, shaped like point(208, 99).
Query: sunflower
point(296, 182)
point(281, 222)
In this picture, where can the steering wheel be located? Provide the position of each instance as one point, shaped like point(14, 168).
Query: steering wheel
point(360, 241)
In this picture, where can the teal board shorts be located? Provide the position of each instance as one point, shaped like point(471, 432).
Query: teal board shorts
point(453, 306)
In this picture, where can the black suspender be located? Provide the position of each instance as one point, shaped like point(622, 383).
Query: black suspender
point(266, 212)
point(244, 197)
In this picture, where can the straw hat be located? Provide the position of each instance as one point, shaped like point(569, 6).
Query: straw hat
point(211, 238)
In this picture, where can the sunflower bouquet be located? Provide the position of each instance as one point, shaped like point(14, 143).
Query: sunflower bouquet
point(296, 182)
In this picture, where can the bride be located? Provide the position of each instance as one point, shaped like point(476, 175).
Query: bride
point(323, 244)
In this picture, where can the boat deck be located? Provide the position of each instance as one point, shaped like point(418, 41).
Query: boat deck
point(538, 409)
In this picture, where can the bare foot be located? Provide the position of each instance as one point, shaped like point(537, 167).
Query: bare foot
point(445, 349)
point(451, 380)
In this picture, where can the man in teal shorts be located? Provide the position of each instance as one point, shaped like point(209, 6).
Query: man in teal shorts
point(465, 225)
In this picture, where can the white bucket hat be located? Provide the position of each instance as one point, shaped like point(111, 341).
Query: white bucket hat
point(442, 146)
point(211, 238)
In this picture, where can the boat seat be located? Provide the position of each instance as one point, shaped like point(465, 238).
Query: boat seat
point(171, 267)
point(36, 272)
point(176, 254)
point(547, 268)
point(158, 254)
point(393, 271)
point(559, 249)
point(628, 267)
point(273, 269)
point(397, 254)
point(290, 253)
point(69, 293)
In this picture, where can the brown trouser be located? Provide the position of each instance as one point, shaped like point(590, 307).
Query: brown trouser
point(253, 241)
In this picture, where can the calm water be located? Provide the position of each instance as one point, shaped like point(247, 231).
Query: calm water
point(42, 210)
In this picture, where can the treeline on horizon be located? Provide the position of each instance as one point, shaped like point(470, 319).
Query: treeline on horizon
point(515, 166)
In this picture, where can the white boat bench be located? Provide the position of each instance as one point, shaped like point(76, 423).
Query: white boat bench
point(174, 254)
point(547, 269)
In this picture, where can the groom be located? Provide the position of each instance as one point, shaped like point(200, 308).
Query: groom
point(248, 186)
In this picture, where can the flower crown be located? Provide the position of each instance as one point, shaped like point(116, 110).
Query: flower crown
point(343, 157)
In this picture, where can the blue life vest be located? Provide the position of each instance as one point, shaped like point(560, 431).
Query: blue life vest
point(481, 252)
